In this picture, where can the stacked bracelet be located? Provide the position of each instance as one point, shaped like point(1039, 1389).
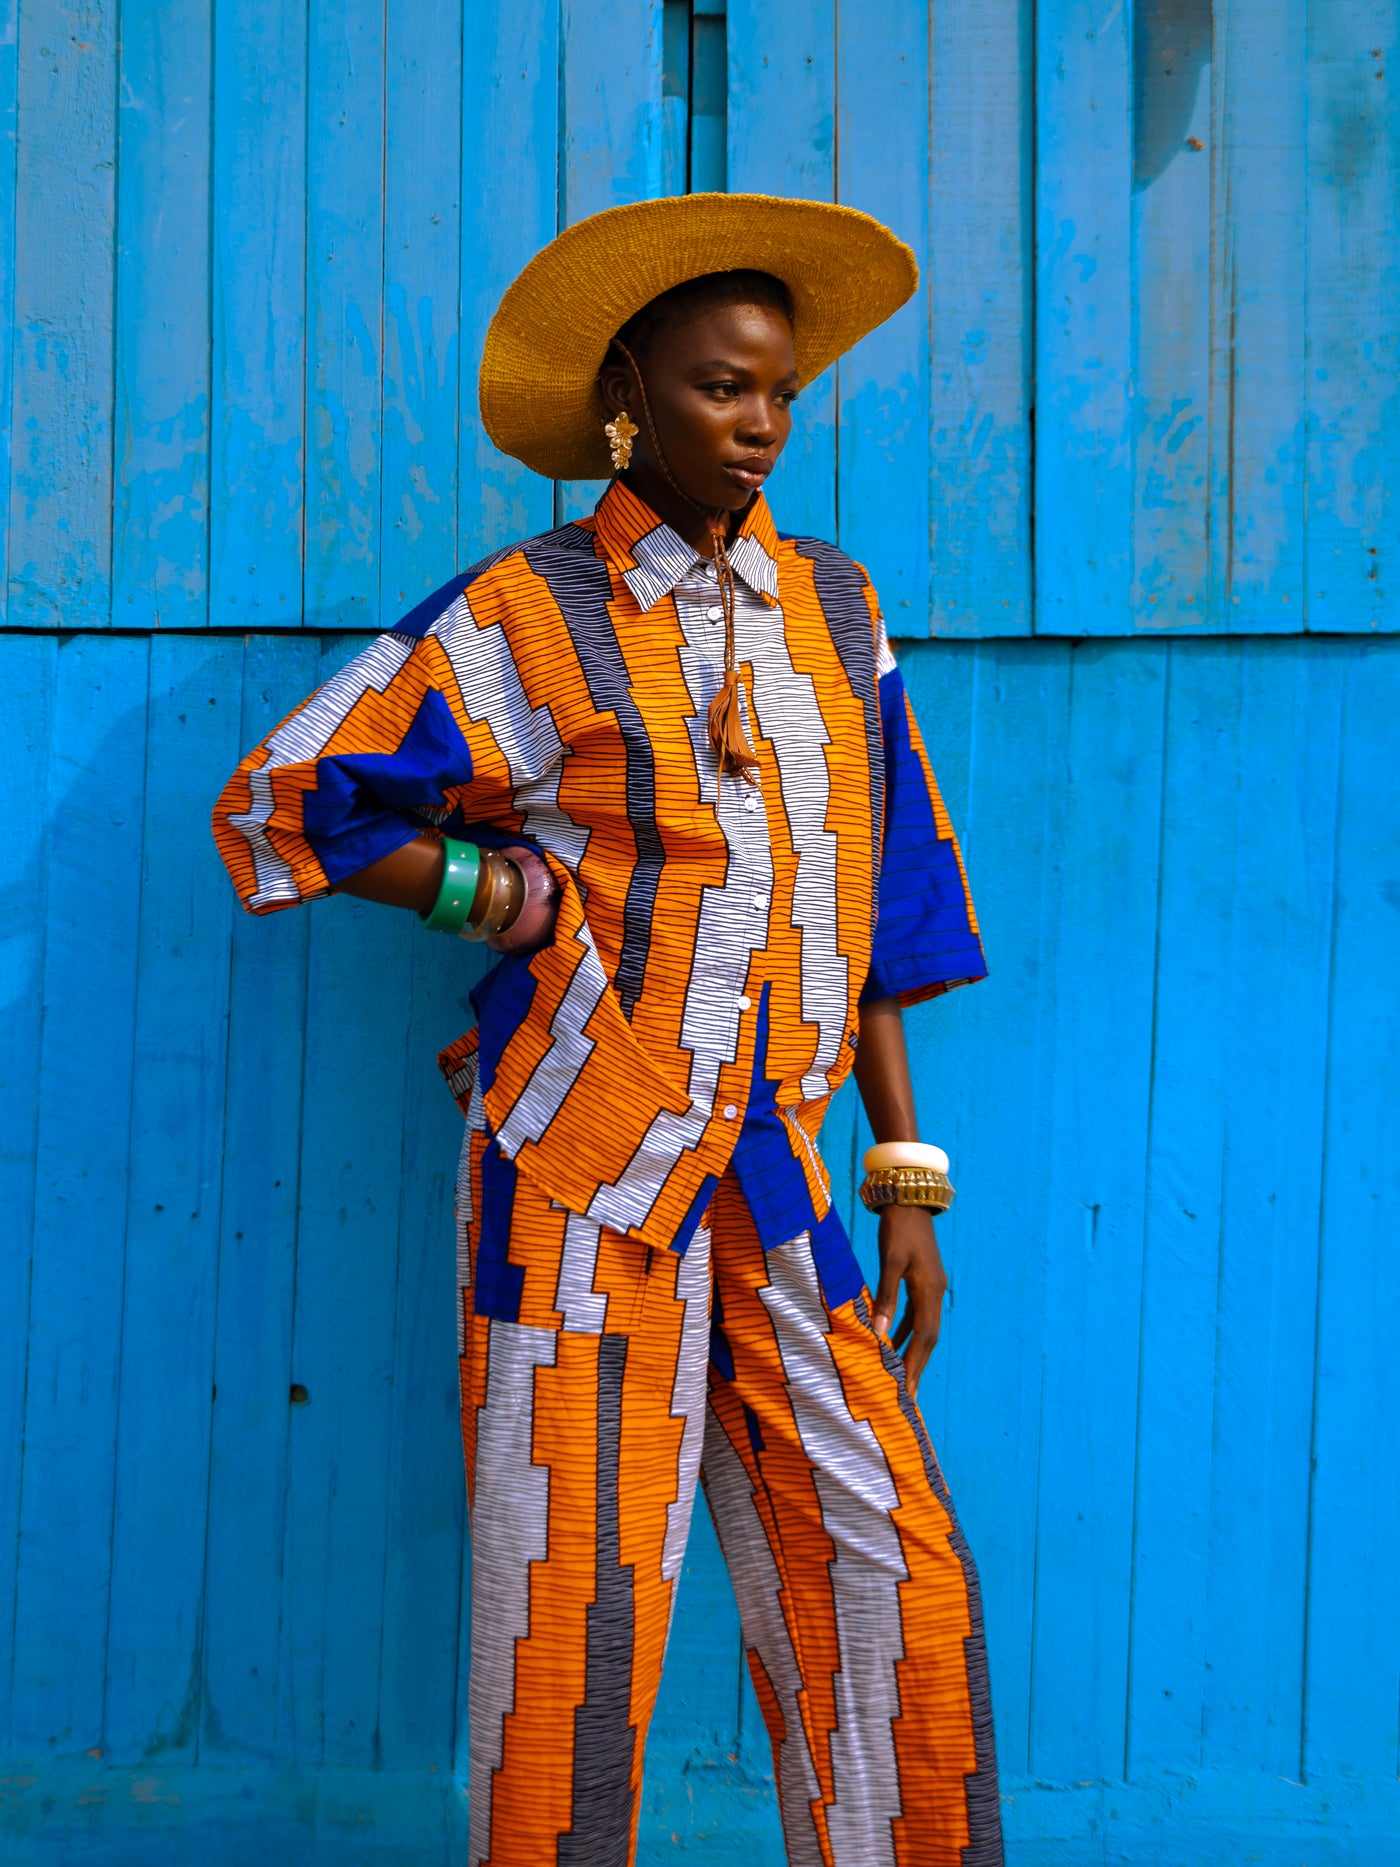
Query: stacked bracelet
point(461, 870)
point(906, 1173)
point(503, 895)
point(469, 872)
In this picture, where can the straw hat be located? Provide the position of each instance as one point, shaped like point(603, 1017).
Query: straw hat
point(539, 395)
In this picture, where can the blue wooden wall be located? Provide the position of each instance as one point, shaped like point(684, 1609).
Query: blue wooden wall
point(1147, 394)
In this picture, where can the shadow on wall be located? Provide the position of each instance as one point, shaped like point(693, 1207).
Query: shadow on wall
point(1171, 48)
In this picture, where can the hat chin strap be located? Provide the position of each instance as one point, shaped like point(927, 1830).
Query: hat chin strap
point(725, 721)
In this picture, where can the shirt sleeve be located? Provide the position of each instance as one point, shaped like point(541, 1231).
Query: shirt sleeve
point(385, 750)
point(926, 935)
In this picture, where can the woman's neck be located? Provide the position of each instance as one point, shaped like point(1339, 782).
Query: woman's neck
point(688, 521)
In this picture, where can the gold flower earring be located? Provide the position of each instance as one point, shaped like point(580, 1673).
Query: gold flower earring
point(620, 434)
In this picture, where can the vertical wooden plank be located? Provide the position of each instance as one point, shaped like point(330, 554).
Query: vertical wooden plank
point(1170, 284)
point(9, 125)
point(1083, 474)
point(83, 1092)
point(246, 1687)
point(984, 1064)
point(1353, 296)
point(611, 145)
point(172, 1229)
point(344, 311)
point(509, 195)
point(1353, 1603)
point(1106, 954)
point(611, 148)
point(358, 1008)
point(61, 486)
point(344, 1326)
point(160, 520)
point(1193, 1064)
point(782, 140)
point(27, 681)
point(427, 1489)
point(422, 232)
point(675, 95)
point(882, 60)
point(258, 463)
point(1271, 1116)
point(1258, 149)
point(709, 97)
point(980, 317)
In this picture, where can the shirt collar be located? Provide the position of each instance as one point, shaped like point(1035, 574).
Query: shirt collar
point(652, 559)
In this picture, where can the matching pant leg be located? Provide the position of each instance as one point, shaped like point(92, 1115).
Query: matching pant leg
point(857, 1593)
point(583, 1396)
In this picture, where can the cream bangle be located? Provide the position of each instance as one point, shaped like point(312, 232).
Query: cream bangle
point(905, 1154)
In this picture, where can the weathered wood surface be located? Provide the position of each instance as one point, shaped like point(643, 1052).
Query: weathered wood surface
point(1166, 1388)
point(251, 253)
point(254, 251)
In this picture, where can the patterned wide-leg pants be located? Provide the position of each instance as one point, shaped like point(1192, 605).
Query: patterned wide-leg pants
point(599, 1379)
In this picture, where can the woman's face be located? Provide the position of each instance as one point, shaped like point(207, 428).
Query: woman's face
point(721, 384)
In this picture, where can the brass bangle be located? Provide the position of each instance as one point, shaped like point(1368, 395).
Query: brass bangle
point(503, 883)
point(907, 1186)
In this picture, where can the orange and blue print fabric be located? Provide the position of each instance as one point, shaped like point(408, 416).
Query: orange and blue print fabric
point(556, 694)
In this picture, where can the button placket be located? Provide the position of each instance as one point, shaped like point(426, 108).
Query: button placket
point(743, 820)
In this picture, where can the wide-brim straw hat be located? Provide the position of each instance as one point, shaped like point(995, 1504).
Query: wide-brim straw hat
point(539, 371)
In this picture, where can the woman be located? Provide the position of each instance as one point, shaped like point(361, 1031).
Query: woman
point(662, 759)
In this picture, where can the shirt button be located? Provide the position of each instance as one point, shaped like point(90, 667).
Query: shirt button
point(730, 1111)
point(760, 901)
point(750, 802)
point(744, 1003)
point(715, 613)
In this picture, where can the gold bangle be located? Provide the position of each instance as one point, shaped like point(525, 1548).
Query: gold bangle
point(907, 1186)
point(504, 884)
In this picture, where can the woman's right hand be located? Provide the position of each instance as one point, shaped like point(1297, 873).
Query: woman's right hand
point(535, 923)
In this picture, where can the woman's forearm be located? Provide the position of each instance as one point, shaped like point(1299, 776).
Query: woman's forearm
point(882, 1072)
point(412, 878)
point(409, 878)
point(909, 1252)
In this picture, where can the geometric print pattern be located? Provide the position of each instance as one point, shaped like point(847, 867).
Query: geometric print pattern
point(586, 1424)
point(557, 695)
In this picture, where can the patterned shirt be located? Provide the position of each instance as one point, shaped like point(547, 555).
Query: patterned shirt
point(714, 938)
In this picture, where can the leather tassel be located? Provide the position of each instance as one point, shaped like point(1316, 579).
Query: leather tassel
point(727, 736)
point(726, 717)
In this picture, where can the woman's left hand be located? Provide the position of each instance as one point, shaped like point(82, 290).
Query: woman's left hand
point(909, 1255)
point(535, 924)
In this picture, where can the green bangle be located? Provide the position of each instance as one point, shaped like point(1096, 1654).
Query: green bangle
point(460, 869)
